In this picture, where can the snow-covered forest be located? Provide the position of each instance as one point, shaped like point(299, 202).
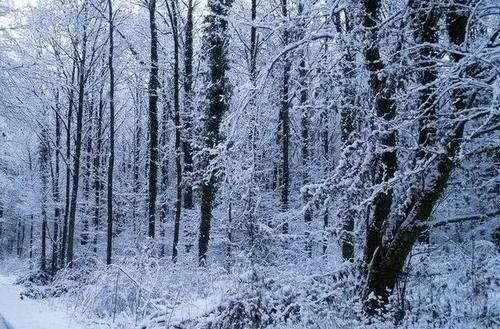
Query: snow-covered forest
point(202, 164)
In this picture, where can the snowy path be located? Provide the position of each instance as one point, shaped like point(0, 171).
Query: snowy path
point(4, 324)
point(17, 313)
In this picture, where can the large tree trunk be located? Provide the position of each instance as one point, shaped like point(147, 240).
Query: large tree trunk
point(154, 86)
point(391, 254)
point(386, 162)
point(217, 106)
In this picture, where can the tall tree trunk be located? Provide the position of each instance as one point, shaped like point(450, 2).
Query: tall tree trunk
point(304, 122)
point(347, 122)
point(1, 224)
point(154, 86)
point(97, 185)
point(136, 165)
point(385, 109)
point(109, 244)
point(253, 46)
point(18, 238)
point(57, 196)
point(386, 163)
point(84, 235)
point(425, 17)
point(325, 141)
point(251, 202)
point(23, 232)
point(32, 220)
point(177, 120)
point(71, 94)
point(217, 105)
point(78, 149)
point(188, 110)
point(229, 233)
point(44, 158)
point(284, 120)
point(164, 182)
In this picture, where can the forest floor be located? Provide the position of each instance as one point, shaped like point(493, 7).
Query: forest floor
point(17, 312)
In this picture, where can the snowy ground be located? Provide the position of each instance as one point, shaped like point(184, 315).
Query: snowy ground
point(4, 324)
point(17, 313)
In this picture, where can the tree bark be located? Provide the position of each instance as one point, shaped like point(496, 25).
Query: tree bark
point(386, 165)
point(154, 86)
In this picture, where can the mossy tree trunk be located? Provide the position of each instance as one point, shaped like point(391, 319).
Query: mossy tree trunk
point(217, 99)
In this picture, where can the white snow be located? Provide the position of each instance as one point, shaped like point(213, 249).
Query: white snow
point(31, 314)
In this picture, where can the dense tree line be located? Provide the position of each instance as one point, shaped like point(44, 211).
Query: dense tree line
point(351, 134)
